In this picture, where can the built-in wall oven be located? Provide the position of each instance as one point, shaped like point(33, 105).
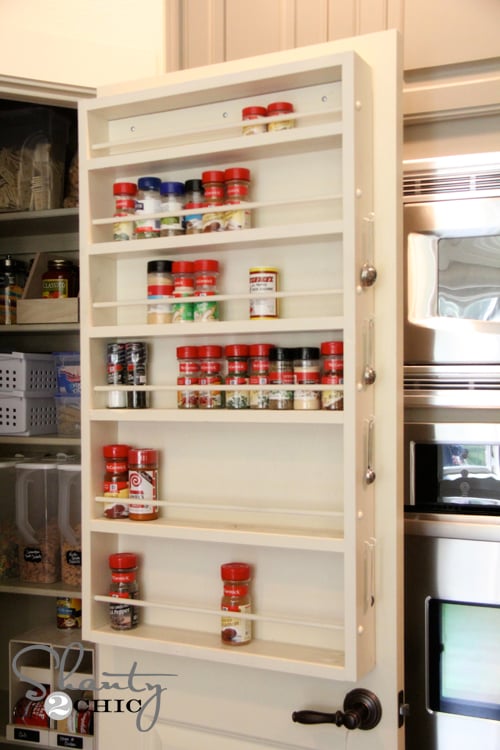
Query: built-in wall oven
point(452, 453)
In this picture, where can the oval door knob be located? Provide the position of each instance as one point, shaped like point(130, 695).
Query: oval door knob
point(362, 710)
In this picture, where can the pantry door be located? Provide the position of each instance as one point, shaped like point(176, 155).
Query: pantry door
point(218, 705)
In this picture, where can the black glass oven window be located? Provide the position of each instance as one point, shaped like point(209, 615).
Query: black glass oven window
point(464, 658)
point(469, 277)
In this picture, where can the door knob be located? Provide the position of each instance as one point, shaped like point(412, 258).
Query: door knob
point(362, 710)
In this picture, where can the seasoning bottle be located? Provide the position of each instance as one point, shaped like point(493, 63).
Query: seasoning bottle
point(254, 113)
point(237, 185)
point(189, 374)
point(237, 374)
point(332, 398)
point(58, 280)
point(160, 291)
point(123, 616)
point(213, 188)
point(210, 375)
point(206, 272)
point(235, 631)
point(332, 358)
point(172, 199)
point(143, 484)
point(115, 483)
point(136, 356)
point(306, 371)
point(148, 202)
point(263, 279)
point(281, 373)
point(116, 370)
point(182, 270)
point(279, 109)
point(259, 375)
point(194, 199)
point(194, 191)
point(124, 193)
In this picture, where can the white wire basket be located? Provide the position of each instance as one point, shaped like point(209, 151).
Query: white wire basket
point(27, 374)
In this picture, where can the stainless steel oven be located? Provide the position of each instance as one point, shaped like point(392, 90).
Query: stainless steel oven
point(452, 260)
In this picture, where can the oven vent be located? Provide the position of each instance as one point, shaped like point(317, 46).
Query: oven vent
point(451, 378)
point(433, 183)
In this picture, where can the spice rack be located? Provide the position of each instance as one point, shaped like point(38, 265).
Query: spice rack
point(290, 492)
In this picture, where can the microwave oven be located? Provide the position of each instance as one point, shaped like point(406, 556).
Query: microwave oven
point(452, 261)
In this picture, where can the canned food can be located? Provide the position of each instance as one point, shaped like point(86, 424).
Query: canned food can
point(263, 279)
point(69, 613)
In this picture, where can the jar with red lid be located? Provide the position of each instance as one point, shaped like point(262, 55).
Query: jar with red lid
point(124, 194)
point(280, 110)
point(236, 631)
point(237, 374)
point(60, 279)
point(183, 273)
point(206, 272)
point(259, 374)
point(254, 112)
point(306, 372)
point(332, 356)
point(213, 189)
point(210, 375)
point(281, 375)
point(143, 484)
point(237, 181)
point(189, 375)
point(123, 616)
point(115, 483)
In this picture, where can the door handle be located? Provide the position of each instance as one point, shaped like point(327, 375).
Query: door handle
point(362, 710)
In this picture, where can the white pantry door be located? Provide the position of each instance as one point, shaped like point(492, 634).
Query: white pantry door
point(223, 704)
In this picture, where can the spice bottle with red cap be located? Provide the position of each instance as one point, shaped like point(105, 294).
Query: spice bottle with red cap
point(210, 376)
point(189, 374)
point(236, 631)
point(253, 112)
point(206, 272)
point(182, 271)
point(237, 374)
point(124, 193)
point(213, 189)
point(143, 484)
point(237, 187)
point(279, 110)
point(124, 586)
point(115, 482)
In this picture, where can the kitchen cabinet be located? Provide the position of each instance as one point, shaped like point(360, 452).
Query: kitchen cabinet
point(290, 492)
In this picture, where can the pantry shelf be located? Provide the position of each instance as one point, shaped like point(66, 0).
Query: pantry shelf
point(227, 416)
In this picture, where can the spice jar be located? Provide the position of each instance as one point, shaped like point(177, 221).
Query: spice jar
point(279, 109)
point(237, 374)
point(333, 398)
point(194, 191)
point(124, 193)
point(59, 279)
point(332, 357)
point(189, 374)
point(213, 188)
point(172, 199)
point(259, 375)
point(235, 631)
point(116, 371)
point(143, 484)
point(210, 375)
point(206, 272)
point(123, 616)
point(183, 312)
point(263, 279)
point(306, 371)
point(254, 113)
point(136, 357)
point(237, 181)
point(160, 291)
point(115, 482)
point(148, 202)
point(193, 221)
point(281, 373)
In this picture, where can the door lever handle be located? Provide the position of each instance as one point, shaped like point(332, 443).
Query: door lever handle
point(362, 710)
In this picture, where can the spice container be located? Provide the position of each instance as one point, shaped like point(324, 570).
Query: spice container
point(332, 399)
point(143, 484)
point(148, 202)
point(206, 272)
point(279, 109)
point(213, 188)
point(259, 374)
point(172, 199)
point(281, 373)
point(332, 358)
point(116, 371)
point(115, 483)
point(193, 221)
point(13, 275)
point(69, 520)
point(189, 374)
point(237, 374)
point(235, 631)
point(123, 616)
point(183, 270)
point(37, 522)
point(262, 280)
point(237, 185)
point(194, 191)
point(124, 193)
point(306, 371)
point(210, 375)
point(160, 291)
point(136, 357)
point(254, 113)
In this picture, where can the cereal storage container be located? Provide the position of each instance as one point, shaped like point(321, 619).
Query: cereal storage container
point(69, 519)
